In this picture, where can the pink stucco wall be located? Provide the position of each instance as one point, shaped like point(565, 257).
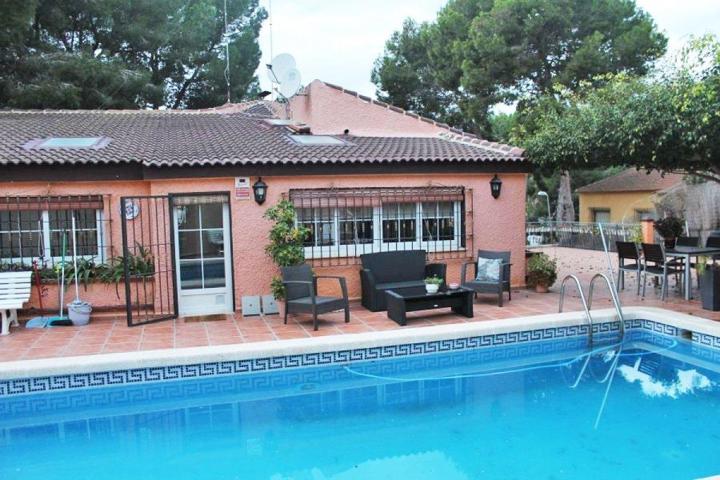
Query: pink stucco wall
point(330, 111)
point(497, 224)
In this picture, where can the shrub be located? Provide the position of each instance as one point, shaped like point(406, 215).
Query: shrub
point(286, 242)
point(542, 270)
point(670, 227)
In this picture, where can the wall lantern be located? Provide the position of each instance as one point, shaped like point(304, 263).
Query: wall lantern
point(260, 191)
point(495, 186)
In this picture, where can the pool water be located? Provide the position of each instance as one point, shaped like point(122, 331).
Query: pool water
point(647, 408)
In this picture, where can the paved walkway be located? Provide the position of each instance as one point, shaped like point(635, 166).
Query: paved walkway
point(107, 335)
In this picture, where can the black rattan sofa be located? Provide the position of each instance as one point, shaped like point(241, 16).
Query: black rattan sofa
point(390, 270)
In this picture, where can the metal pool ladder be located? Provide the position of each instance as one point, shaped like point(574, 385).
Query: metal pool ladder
point(587, 304)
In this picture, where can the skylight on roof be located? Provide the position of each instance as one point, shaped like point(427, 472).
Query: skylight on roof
point(279, 122)
point(68, 143)
point(316, 140)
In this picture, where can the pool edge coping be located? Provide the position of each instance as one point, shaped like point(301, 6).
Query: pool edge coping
point(48, 367)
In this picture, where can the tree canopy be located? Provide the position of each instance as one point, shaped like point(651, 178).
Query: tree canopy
point(669, 121)
point(478, 53)
point(120, 54)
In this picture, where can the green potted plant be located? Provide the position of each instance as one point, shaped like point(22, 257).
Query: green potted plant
point(285, 247)
point(709, 277)
point(542, 272)
point(670, 228)
point(432, 284)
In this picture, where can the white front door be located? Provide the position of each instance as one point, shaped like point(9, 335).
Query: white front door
point(202, 256)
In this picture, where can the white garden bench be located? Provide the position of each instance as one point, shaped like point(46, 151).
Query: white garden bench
point(14, 293)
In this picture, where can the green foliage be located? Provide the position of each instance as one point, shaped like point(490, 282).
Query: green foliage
point(669, 121)
point(670, 227)
point(478, 53)
point(548, 180)
point(285, 246)
point(63, 80)
point(13, 267)
point(119, 54)
point(141, 265)
point(636, 235)
point(542, 270)
point(434, 280)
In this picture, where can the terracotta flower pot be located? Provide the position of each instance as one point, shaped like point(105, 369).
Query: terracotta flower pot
point(541, 288)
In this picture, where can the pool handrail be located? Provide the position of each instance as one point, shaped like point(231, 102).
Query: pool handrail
point(582, 299)
point(613, 296)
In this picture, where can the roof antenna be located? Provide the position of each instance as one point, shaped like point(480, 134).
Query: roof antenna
point(270, 19)
point(226, 40)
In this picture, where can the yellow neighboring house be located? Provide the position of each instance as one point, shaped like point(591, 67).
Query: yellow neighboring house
point(626, 197)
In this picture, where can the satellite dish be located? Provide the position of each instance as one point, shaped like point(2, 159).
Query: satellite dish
point(279, 66)
point(289, 83)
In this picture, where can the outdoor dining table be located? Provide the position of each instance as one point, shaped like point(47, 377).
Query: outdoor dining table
point(687, 253)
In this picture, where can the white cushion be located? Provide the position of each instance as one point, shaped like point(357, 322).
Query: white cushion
point(488, 269)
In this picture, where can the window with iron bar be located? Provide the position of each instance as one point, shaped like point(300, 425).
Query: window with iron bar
point(36, 228)
point(349, 222)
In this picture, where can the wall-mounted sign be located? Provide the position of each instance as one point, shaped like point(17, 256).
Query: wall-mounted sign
point(242, 188)
point(132, 210)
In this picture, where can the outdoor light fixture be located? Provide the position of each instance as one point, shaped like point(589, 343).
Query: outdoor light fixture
point(547, 199)
point(260, 191)
point(495, 186)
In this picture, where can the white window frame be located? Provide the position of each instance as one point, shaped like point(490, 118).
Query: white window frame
point(378, 245)
point(46, 233)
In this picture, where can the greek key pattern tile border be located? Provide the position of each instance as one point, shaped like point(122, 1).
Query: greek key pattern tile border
point(706, 340)
point(132, 376)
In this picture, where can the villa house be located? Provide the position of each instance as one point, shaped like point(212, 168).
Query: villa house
point(625, 197)
point(184, 193)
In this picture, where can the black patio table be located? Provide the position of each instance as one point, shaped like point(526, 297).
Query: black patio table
point(411, 299)
point(687, 253)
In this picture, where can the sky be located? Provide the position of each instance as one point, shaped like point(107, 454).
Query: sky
point(338, 40)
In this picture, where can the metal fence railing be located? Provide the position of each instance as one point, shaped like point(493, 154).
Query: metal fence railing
point(579, 235)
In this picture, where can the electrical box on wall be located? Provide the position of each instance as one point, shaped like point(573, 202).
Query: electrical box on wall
point(269, 305)
point(250, 305)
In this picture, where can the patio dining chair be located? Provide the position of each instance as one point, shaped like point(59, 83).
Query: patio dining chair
point(713, 241)
point(687, 241)
point(655, 263)
point(628, 261)
point(301, 294)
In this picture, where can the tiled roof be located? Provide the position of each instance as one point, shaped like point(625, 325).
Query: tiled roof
point(632, 180)
point(222, 136)
point(454, 133)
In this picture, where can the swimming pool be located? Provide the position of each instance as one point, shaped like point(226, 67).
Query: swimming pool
point(645, 408)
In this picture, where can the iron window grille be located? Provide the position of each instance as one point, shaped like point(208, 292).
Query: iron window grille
point(33, 228)
point(345, 223)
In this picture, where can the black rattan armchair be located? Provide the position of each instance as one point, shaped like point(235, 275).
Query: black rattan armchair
point(498, 287)
point(301, 294)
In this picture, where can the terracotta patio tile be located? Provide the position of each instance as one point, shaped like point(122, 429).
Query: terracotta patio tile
point(120, 347)
point(259, 338)
point(226, 340)
point(42, 352)
point(84, 349)
point(156, 345)
point(108, 334)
